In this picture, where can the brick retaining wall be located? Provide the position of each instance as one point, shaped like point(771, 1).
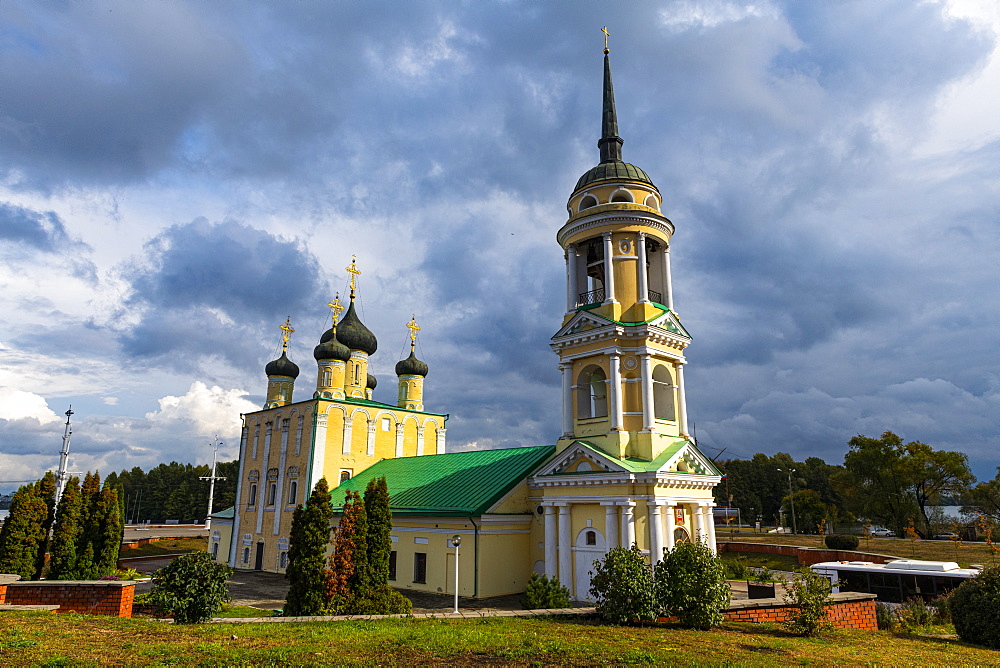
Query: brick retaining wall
point(807, 556)
point(850, 610)
point(93, 597)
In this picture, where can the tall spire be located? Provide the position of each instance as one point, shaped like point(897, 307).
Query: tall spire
point(610, 143)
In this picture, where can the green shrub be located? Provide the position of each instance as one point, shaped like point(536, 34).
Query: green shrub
point(885, 616)
point(974, 605)
point(691, 585)
point(811, 594)
point(841, 542)
point(736, 569)
point(622, 587)
point(381, 600)
point(914, 615)
point(192, 588)
point(942, 608)
point(763, 576)
point(545, 594)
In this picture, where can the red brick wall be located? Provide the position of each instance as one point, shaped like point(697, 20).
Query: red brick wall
point(93, 598)
point(843, 615)
point(806, 556)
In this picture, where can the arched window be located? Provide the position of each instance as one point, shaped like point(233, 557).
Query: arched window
point(622, 196)
point(252, 500)
point(591, 538)
point(592, 393)
point(293, 489)
point(663, 394)
point(651, 202)
point(587, 202)
point(327, 377)
point(283, 560)
point(345, 475)
point(246, 555)
point(272, 493)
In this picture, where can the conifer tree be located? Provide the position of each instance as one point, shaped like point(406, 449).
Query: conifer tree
point(111, 530)
point(90, 529)
point(361, 578)
point(22, 532)
point(308, 538)
point(379, 531)
point(46, 488)
point(341, 569)
point(62, 564)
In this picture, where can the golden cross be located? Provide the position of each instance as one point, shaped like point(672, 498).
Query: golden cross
point(335, 309)
point(354, 274)
point(286, 333)
point(414, 328)
point(606, 35)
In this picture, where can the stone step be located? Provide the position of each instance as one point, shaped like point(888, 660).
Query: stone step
point(24, 608)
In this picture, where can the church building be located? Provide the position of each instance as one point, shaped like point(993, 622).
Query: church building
point(624, 470)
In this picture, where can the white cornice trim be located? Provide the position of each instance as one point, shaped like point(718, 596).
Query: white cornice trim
point(657, 222)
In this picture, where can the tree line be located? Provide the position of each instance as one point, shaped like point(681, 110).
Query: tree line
point(82, 533)
point(175, 492)
point(882, 480)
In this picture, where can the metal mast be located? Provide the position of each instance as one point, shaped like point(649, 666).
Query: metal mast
point(211, 482)
point(61, 474)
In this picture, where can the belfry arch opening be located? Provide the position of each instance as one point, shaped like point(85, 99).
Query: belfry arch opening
point(663, 394)
point(592, 393)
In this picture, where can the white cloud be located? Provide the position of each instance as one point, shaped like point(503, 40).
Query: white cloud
point(690, 14)
point(18, 405)
point(207, 411)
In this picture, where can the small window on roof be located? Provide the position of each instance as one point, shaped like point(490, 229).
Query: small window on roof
point(587, 202)
point(622, 196)
point(651, 202)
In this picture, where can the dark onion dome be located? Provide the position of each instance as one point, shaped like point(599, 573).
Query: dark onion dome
point(372, 382)
point(411, 366)
point(330, 348)
point(353, 334)
point(613, 171)
point(282, 367)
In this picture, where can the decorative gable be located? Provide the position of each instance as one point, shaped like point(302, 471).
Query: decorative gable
point(670, 322)
point(581, 459)
point(582, 322)
point(688, 459)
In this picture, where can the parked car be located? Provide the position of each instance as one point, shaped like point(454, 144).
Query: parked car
point(882, 532)
point(947, 535)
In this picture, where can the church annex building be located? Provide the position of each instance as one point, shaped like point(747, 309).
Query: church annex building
point(625, 469)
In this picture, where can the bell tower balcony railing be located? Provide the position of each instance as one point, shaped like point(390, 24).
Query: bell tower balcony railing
point(597, 297)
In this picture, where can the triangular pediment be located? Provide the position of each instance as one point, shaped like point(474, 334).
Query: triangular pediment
point(670, 322)
point(582, 322)
point(687, 458)
point(581, 458)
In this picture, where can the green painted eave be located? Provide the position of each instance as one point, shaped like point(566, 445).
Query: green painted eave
point(663, 310)
point(637, 465)
point(456, 484)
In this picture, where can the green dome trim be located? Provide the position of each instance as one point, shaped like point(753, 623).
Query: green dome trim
point(613, 171)
point(282, 367)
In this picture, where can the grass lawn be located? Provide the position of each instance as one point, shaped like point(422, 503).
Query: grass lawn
point(774, 562)
point(935, 550)
point(49, 639)
point(173, 546)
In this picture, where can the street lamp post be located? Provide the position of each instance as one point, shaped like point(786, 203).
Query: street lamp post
point(791, 499)
point(456, 540)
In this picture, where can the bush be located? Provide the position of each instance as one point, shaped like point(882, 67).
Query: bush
point(841, 542)
point(736, 568)
point(622, 586)
point(811, 594)
point(942, 608)
point(885, 616)
point(192, 588)
point(382, 600)
point(763, 576)
point(974, 605)
point(545, 594)
point(914, 615)
point(691, 585)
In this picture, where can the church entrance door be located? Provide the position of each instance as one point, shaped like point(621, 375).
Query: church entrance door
point(258, 562)
point(590, 546)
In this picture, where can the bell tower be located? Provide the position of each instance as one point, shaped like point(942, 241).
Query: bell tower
point(621, 347)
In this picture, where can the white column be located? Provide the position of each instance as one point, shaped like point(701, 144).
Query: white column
point(256, 439)
point(648, 416)
point(239, 497)
point(567, 399)
point(610, 524)
point(420, 440)
point(298, 435)
point(565, 547)
point(371, 438)
point(440, 433)
point(609, 269)
point(571, 286)
point(710, 516)
point(551, 536)
point(643, 277)
point(399, 439)
point(279, 501)
point(668, 290)
point(264, 482)
point(655, 533)
point(319, 452)
point(348, 425)
point(628, 524)
point(670, 528)
point(682, 410)
point(616, 392)
point(699, 524)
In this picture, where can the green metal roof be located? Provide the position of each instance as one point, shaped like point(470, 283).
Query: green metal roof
point(676, 330)
point(226, 514)
point(453, 484)
point(613, 171)
point(376, 404)
point(636, 465)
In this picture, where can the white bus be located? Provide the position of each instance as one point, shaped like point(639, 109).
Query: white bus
point(898, 580)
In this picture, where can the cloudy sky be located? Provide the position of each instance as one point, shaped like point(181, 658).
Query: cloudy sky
point(178, 177)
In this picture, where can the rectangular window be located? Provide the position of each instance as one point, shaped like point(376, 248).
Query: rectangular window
point(420, 567)
point(392, 565)
point(386, 424)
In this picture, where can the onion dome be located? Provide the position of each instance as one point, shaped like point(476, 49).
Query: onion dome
point(282, 367)
point(612, 167)
point(371, 383)
point(330, 348)
point(353, 334)
point(411, 366)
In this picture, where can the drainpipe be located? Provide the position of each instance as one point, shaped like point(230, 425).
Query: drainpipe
point(475, 554)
